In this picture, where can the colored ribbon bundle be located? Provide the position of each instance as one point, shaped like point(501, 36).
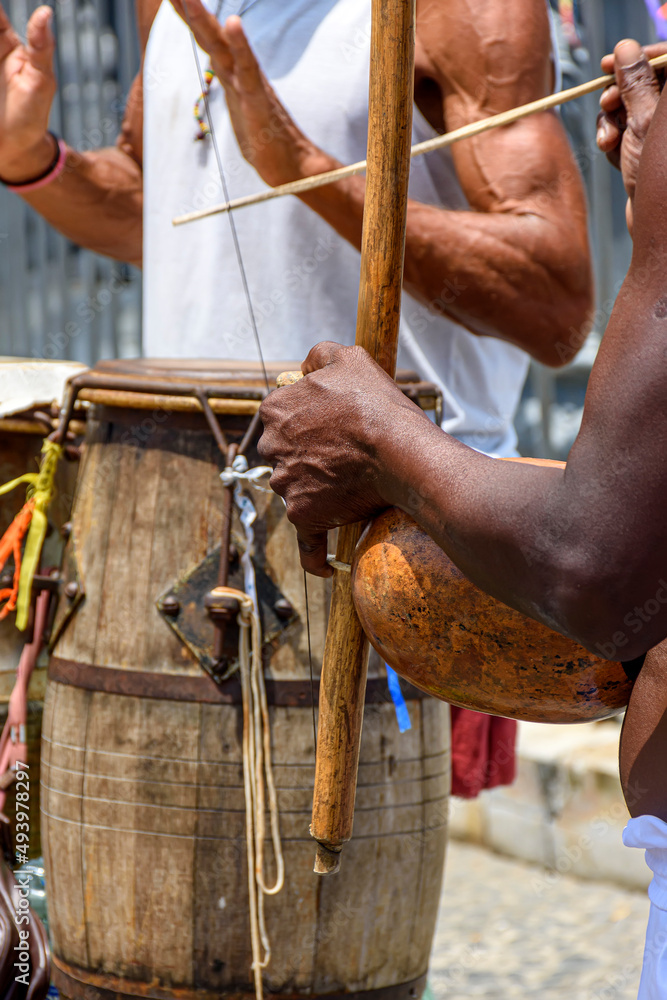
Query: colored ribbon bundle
point(30, 521)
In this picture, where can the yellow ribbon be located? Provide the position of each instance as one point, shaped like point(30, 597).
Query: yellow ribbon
point(40, 489)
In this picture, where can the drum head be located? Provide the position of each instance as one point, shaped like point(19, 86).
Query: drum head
point(26, 384)
point(140, 383)
point(209, 371)
point(186, 371)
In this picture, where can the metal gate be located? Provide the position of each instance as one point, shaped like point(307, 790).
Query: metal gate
point(57, 300)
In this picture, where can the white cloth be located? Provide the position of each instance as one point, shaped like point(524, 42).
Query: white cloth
point(650, 833)
point(303, 277)
point(25, 383)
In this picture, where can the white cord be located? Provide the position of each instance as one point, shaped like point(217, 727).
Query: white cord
point(238, 472)
point(337, 564)
point(257, 763)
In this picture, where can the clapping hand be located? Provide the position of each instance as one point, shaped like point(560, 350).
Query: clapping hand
point(27, 89)
point(268, 137)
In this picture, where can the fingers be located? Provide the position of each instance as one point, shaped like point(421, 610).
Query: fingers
point(270, 414)
point(608, 64)
point(631, 101)
point(610, 99)
point(638, 84)
point(323, 354)
point(313, 550)
point(207, 31)
point(8, 37)
point(609, 134)
point(41, 42)
point(227, 46)
point(247, 71)
point(312, 543)
point(650, 51)
point(657, 49)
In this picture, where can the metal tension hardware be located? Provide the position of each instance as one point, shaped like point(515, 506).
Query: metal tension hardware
point(205, 620)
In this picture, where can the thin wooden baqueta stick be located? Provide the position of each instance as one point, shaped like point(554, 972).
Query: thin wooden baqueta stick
point(439, 142)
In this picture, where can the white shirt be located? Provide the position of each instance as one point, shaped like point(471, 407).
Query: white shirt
point(303, 277)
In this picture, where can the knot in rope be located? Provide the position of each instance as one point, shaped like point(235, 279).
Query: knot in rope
point(247, 606)
point(238, 472)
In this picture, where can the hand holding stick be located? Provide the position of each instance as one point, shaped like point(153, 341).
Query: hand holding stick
point(343, 683)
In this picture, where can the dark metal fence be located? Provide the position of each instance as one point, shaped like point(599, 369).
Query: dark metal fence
point(56, 300)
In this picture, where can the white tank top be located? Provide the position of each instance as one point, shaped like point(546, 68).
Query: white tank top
point(303, 278)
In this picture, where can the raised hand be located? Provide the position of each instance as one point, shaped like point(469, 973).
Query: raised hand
point(27, 88)
point(627, 109)
point(268, 137)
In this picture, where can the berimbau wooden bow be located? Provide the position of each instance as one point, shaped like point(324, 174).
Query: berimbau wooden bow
point(343, 683)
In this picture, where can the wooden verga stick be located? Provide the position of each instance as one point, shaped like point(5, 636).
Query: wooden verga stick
point(343, 683)
point(439, 142)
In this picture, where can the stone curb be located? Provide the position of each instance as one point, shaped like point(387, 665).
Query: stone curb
point(565, 810)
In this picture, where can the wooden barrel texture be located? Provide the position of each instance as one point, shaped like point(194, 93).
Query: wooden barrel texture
point(19, 454)
point(142, 793)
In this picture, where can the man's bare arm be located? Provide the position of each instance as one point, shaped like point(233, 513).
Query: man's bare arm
point(583, 550)
point(517, 265)
point(97, 200)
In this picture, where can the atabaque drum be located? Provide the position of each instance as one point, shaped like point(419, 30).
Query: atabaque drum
point(30, 391)
point(142, 781)
point(442, 633)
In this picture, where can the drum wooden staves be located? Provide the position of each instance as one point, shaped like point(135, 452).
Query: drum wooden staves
point(142, 796)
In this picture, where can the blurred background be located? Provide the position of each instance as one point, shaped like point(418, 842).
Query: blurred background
point(57, 301)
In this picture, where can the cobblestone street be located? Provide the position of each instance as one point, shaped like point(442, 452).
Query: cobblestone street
point(511, 931)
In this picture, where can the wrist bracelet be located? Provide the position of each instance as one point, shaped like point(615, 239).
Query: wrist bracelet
point(54, 170)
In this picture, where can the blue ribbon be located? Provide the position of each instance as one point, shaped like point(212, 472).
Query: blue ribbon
point(402, 714)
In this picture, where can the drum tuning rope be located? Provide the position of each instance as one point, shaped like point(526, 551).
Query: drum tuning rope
point(342, 567)
point(257, 775)
point(257, 762)
point(238, 471)
point(13, 739)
